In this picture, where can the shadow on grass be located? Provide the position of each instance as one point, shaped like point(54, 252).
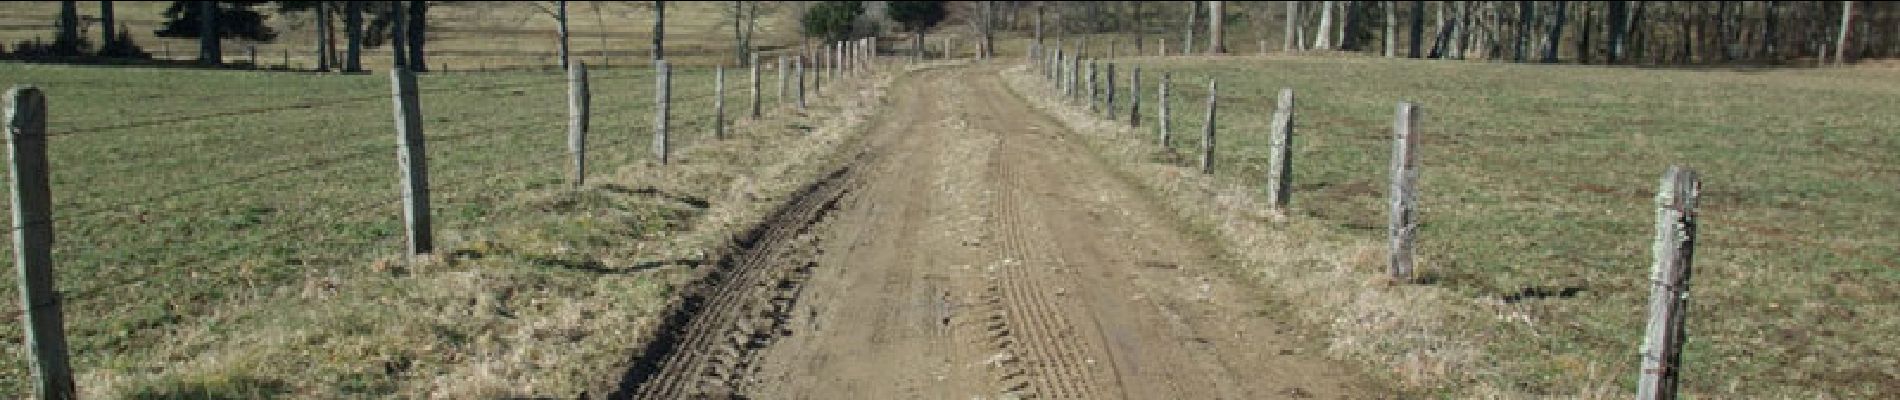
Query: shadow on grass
point(241, 387)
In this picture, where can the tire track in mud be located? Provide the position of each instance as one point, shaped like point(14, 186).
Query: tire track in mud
point(706, 340)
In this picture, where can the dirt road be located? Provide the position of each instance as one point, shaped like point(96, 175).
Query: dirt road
point(970, 250)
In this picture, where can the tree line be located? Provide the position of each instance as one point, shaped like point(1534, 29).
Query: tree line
point(1617, 32)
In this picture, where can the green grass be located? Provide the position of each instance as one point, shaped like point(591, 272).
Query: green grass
point(1542, 178)
point(192, 205)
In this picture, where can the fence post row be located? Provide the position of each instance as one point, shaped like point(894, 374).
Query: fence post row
point(1280, 160)
point(1673, 249)
point(578, 100)
point(33, 244)
point(412, 157)
point(663, 99)
point(1207, 132)
point(1403, 225)
point(799, 61)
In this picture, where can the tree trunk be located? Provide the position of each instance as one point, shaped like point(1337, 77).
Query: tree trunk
point(67, 44)
point(1215, 31)
point(659, 30)
point(209, 50)
point(353, 22)
point(1768, 31)
point(1194, 13)
point(1633, 36)
point(1323, 40)
point(399, 48)
point(1525, 10)
point(1141, 28)
point(323, 37)
point(1350, 27)
point(739, 44)
point(1618, 31)
point(989, 29)
point(1556, 38)
point(418, 30)
point(107, 26)
point(1418, 28)
point(1584, 51)
point(1288, 43)
point(560, 33)
point(1391, 29)
point(1840, 42)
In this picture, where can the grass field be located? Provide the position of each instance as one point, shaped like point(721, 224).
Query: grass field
point(1537, 186)
point(203, 212)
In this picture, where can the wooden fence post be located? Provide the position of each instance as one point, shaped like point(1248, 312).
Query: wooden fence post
point(1134, 98)
point(1108, 95)
point(663, 107)
point(1161, 109)
point(719, 102)
point(1075, 76)
point(33, 244)
point(1207, 132)
point(251, 52)
point(1280, 160)
point(755, 85)
point(1403, 227)
point(1161, 47)
point(413, 158)
point(578, 100)
point(799, 61)
point(1673, 249)
point(783, 80)
point(1092, 86)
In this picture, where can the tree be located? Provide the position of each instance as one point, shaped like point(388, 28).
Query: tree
point(106, 24)
point(1418, 27)
point(831, 20)
point(659, 30)
point(1552, 42)
point(353, 23)
point(67, 44)
point(417, 29)
point(1323, 40)
point(1194, 11)
point(558, 11)
point(1215, 18)
point(1288, 42)
point(915, 17)
point(1840, 43)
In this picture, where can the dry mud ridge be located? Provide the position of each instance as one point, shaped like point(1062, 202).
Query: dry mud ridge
point(969, 250)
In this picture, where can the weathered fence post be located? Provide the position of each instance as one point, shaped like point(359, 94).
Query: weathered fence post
point(578, 100)
point(719, 102)
point(1161, 110)
point(33, 244)
point(1092, 86)
point(1134, 98)
point(1108, 97)
point(783, 69)
point(663, 108)
point(755, 85)
point(1207, 132)
point(1161, 46)
point(1280, 159)
point(413, 158)
point(799, 61)
point(1075, 75)
point(1403, 227)
point(251, 52)
point(1673, 249)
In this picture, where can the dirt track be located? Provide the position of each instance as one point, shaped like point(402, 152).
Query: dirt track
point(970, 250)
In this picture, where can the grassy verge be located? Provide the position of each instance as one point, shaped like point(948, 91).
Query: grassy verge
point(1536, 201)
point(232, 234)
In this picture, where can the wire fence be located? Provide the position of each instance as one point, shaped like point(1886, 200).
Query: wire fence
point(184, 211)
